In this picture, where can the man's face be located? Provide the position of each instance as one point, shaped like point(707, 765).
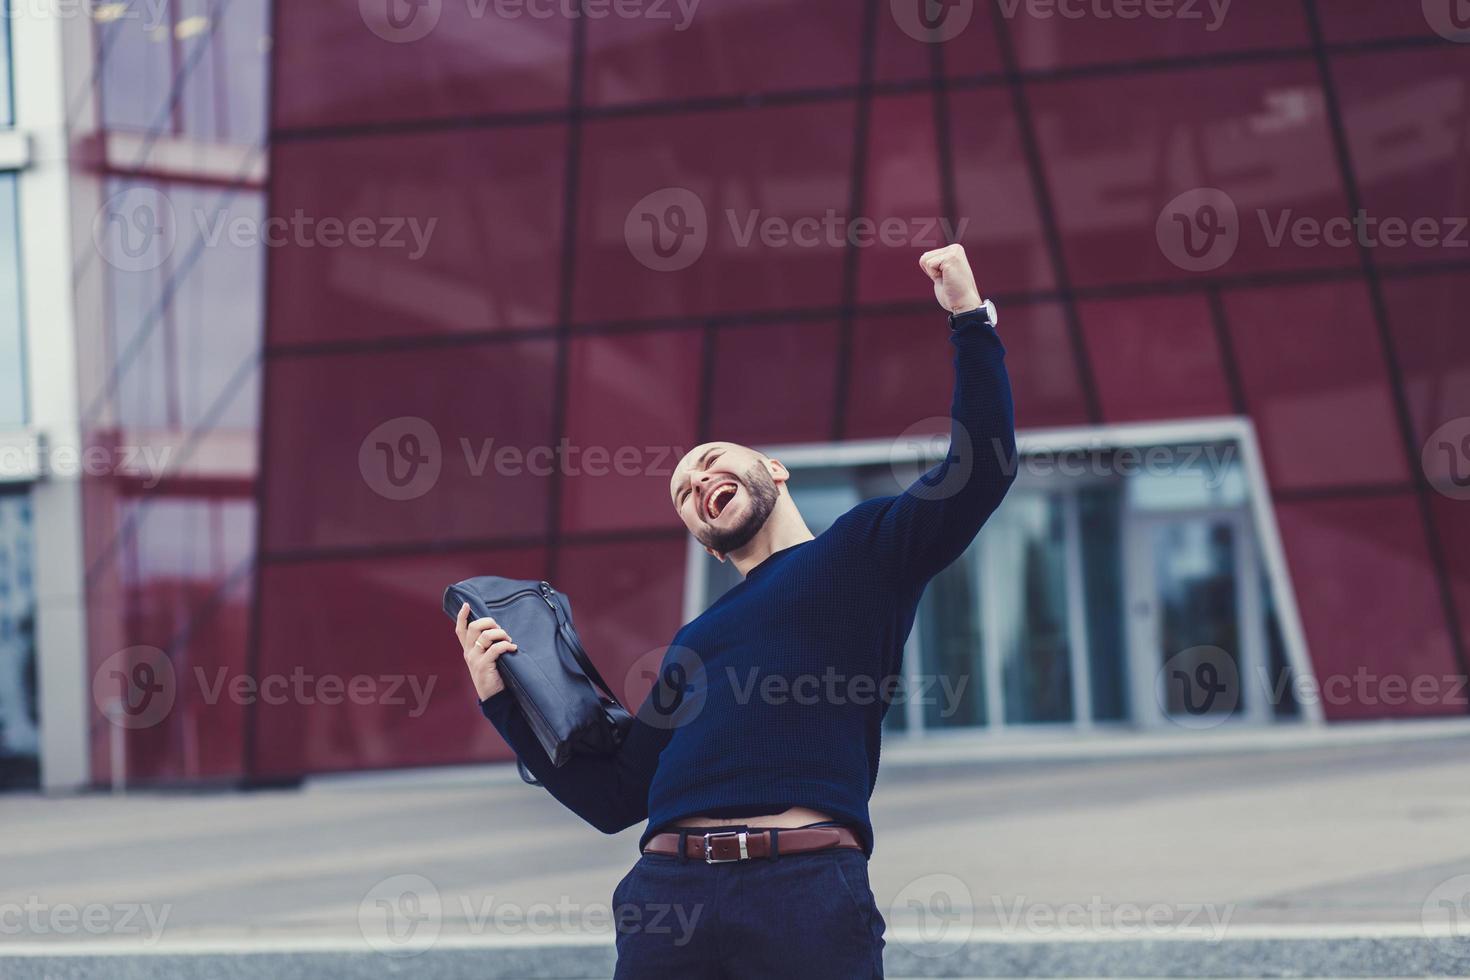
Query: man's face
point(724, 493)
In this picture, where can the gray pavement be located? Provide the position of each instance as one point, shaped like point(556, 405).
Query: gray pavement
point(1349, 857)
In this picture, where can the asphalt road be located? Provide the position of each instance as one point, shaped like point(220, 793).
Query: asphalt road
point(1353, 838)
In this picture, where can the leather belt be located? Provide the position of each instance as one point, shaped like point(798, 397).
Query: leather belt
point(723, 846)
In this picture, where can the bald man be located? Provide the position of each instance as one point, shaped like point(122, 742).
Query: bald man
point(755, 755)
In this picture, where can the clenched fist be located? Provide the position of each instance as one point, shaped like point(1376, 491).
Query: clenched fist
point(483, 643)
point(954, 283)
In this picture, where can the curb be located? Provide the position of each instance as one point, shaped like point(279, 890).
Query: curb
point(1318, 956)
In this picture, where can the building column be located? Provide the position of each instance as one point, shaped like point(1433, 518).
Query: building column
point(38, 42)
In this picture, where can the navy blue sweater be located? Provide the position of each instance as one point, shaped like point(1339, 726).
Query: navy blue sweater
point(775, 695)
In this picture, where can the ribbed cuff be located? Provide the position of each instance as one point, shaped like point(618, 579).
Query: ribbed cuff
point(497, 706)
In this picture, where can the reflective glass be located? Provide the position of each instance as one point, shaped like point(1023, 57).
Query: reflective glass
point(12, 367)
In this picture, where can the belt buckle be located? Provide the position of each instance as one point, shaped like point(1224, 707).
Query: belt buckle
point(709, 855)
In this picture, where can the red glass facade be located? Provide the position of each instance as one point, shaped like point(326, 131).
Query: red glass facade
point(526, 321)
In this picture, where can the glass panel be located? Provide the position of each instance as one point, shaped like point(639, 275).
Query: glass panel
point(1176, 478)
point(435, 248)
point(687, 214)
point(797, 365)
point(341, 64)
point(187, 329)
point(7, 111)
point(1155, 358)
point(1031, 607)
point(173, 69)
point(632, 405)
point(1315, 378)
point(1195, 575)
point(1100, 512)
point(1118, 150)
point(668, 53)
point(19, 717)
point(12, 367)
point(953, 685)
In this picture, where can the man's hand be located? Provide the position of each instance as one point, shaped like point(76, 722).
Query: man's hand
point(483, 642)
point(954, 283)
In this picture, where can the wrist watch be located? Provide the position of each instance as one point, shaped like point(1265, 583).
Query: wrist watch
point(986, 307)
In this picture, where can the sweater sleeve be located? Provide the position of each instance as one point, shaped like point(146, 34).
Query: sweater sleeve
point(610, 792)
point(930, 524)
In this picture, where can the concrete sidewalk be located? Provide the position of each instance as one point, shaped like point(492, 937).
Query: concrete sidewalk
point(1347, 859)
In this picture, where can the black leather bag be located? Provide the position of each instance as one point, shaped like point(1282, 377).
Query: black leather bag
point(549, 673)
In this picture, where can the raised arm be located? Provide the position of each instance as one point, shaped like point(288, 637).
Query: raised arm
point(931, 523)
point(609, 792)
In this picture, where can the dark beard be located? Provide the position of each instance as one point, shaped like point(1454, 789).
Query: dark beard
point(762, 492)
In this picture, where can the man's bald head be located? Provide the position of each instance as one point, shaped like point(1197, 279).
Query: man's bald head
point(724, 492)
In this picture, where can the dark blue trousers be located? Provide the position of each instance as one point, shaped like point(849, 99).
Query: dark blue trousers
point(809, 915)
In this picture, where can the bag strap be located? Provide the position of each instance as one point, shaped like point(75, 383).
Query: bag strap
point(568, 635)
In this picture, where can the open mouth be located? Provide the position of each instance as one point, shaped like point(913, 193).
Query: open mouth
point(719, 498)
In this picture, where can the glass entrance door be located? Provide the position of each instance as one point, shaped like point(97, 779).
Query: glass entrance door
point(1195, 629)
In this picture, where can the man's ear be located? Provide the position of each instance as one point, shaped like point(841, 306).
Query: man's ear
point(778, 470)
point(717, 555)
